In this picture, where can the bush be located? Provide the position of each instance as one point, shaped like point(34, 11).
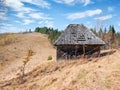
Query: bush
point(49, 57)
point(22, 69)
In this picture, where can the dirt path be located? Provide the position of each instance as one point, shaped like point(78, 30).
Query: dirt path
point(15, 53)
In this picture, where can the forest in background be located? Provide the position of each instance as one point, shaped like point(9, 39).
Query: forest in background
point(53, 34)
point(110, 36)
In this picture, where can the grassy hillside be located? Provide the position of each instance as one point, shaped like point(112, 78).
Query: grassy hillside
point(101, 73)
point(13, 55)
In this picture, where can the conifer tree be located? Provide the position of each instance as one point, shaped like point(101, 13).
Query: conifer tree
point(111, 35)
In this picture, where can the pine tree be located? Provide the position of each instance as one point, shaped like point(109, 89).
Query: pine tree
point(105, 30)
point(30, 31)
point(94, 31)
point(111, 35)
point(101, 33)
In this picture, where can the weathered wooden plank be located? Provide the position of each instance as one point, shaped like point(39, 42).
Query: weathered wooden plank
point(78, 34)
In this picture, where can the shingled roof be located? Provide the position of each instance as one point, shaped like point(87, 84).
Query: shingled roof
point(78, 34)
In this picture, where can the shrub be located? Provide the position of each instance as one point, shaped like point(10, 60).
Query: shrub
point(49, 57)
point(26, 60)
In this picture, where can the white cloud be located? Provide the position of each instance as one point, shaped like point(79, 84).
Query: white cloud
point(6, 24)
point(33, 15)
point(41, 3)
point(15, 4)
point(72, 2)
point(86, 2)
point(27, 14)
point(110, 9)
point(28, 18)
point(39, 15)
point(118, 24)
point(18, 5)
point(20, 15)
point(40, 22)
point(10, 29)
point(88, 13)
point(46, 23)
point(17, 22)
point(106, 17)
point(3, 16)
point(65, 1)
point(27, 21)
point(36, 15)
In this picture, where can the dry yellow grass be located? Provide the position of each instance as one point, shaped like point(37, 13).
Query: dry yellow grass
point(101, 73)
point(0, 67)
point(6, 39)
point(12, 56)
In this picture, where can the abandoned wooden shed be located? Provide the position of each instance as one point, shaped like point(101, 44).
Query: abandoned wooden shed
point(77, 41)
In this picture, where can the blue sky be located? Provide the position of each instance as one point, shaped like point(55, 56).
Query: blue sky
point(22, 15)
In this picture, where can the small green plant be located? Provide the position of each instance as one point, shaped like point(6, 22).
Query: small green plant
point(49, 58)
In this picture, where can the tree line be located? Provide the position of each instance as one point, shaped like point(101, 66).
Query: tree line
point(110, 36)
point(53, 34)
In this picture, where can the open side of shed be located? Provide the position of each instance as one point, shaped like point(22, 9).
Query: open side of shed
point(76, 51)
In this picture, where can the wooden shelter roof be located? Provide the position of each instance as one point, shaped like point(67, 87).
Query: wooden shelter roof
point(78, 34)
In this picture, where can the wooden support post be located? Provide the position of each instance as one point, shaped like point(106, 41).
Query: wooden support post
point(98, 51)
point(84, 50)
point(57, 54)
point(76, 52)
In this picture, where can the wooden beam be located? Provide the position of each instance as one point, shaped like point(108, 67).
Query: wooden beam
point(76, 51)
point(84, 50)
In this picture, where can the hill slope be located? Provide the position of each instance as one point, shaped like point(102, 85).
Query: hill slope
point(14, 54)
point(101, 73)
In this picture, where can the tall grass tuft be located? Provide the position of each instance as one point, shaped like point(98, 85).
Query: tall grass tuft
point(6, 39)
